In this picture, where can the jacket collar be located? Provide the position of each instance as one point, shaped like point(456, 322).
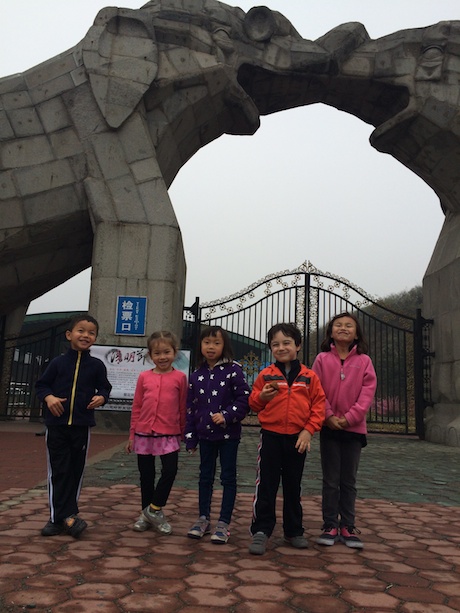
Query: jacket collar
point(353, 350)
point(219, 363)
point(293, 373)
point(75, 353)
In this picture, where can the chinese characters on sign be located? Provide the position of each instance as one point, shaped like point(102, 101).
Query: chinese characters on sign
point(124, 364)
point(130, 317)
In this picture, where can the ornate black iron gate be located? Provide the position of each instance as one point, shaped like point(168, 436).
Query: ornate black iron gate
point(399, 345)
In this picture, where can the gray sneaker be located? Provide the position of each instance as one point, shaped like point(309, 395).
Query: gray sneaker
point(199, 528)
point(299, 542)
point(221, 534)
point(141, 525)
point(158, 520)
point(259, 544)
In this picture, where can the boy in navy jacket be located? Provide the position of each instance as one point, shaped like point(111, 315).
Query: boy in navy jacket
point(72, 386)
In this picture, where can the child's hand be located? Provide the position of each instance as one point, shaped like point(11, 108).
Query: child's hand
point(191, 451)
point(333, 423)
point(269, 391)
point(129, 446)
point(303, 441)
point(343, 422)
point(218, 419)
point(96, 401)
point(54, 404)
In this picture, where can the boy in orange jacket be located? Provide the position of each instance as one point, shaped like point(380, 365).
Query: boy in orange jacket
point(290, 403)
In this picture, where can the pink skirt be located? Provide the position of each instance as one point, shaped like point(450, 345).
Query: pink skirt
point(155, 444)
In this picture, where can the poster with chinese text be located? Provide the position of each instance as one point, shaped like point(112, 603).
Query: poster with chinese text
point(123, 367)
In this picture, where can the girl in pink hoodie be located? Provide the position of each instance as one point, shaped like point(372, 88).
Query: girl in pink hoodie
point(349, 381)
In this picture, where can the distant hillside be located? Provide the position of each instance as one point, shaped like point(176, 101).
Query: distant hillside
point(405, 302)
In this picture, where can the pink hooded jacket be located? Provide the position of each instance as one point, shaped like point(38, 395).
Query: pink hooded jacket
point(349, 388)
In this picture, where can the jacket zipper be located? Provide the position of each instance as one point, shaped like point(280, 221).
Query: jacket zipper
point(288, 407)
point(74, 388)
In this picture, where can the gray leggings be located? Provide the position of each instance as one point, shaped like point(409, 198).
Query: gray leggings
point(339, 461)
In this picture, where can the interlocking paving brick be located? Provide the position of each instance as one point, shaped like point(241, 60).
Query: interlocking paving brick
point(111, 568)
point(370, 600)
point(417, 594)
point(320, 604)
point(99, 591)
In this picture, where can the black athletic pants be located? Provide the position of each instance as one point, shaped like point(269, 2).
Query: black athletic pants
point(67, 450)
point(278, 460)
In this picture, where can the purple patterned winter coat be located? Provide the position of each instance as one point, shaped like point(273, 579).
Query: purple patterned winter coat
point(222, 389)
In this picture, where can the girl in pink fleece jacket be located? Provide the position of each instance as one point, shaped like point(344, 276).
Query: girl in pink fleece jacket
point(349, 381)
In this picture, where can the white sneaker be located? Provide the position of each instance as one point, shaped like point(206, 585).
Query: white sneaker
point(141, 525)
point(199, 528)
point(221, 534)
point(157, 520)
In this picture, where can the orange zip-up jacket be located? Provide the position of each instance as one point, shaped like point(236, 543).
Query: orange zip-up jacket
point(299, 407)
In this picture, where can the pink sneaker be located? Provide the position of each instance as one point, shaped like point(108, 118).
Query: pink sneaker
point(329, 536)
point(348, 536)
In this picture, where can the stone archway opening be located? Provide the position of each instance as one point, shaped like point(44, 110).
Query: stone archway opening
point(310, 176)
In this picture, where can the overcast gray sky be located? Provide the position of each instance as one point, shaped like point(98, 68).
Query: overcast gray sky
point(307, 186)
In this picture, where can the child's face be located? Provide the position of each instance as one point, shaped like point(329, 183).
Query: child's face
point(344, 330)
point(163, 355)
point(82, 335)
point(283, 348)
point(212, 348)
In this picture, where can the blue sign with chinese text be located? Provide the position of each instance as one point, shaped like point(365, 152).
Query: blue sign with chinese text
point(131, 314)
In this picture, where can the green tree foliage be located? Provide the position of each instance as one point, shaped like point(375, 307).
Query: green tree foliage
point(405, 302)
point(391, 348)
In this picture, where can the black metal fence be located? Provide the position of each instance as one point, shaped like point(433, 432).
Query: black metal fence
point(27, 357)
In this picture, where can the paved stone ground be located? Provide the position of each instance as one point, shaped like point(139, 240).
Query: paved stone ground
point(408, 511)
point(396, 468)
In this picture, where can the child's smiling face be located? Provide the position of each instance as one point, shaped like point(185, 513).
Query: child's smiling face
point(344, 330)
point(163, 355)
point(283, 348)
point(82, 335)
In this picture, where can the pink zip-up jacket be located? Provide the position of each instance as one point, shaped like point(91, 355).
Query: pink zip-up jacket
point(349, 388)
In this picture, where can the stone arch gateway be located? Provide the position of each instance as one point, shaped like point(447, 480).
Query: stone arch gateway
point(91, 140)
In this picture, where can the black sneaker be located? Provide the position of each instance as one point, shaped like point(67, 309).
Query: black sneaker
point(329, 536)
point(74, 526)
point(52, 529)
point(348, 535)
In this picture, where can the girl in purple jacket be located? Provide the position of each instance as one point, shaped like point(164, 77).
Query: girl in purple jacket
point(157, 428)
point(217, 401)
point(349, 381)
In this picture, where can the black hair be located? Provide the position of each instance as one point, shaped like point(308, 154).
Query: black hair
point(163, 335)
point(227, 351)
point(290, 330)
point(360, 342)
point(76, 319)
